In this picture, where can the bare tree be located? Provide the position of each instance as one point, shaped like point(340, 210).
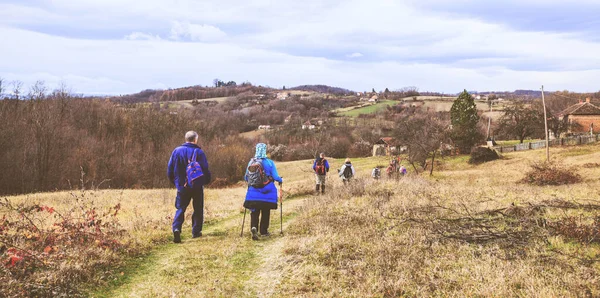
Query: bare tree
point(38, 91)
point(1, 87)
point(521, 121)
point(423, 135)
point(17, 87)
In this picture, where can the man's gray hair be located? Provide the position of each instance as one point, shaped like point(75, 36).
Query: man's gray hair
point(322, 154)
point(191, 136)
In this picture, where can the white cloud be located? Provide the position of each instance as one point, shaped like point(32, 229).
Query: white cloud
point(141, 36)
point(195, 32)
point(354, 55)
point(289, 42)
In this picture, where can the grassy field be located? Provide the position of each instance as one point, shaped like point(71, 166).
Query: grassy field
point(516, 142)
point(254, 134)
point(368, 109)
point(465, 231)
point(424, 102)
point(184, 104)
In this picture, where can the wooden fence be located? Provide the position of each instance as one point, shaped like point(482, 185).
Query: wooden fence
point(579, 140)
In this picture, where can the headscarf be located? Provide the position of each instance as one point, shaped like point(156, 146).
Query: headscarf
point(261, 150)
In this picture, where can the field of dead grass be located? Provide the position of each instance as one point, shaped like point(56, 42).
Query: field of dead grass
point(466, 231)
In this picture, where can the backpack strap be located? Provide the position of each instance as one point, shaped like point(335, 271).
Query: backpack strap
point(193, 156)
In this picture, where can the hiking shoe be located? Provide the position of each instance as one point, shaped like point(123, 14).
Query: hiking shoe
point(265, 235)
point(254, 234)
point(197, 235)
point(177, 236)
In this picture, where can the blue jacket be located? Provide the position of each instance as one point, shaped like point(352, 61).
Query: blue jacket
point(318, 160)
point(179, 161)
point(267, 194)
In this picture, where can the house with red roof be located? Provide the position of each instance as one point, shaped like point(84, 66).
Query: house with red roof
point(387, 146)
point(585, 114)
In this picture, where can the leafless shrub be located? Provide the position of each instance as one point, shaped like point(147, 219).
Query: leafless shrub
point(550, 173)
point(576, 228)
point(591, 165)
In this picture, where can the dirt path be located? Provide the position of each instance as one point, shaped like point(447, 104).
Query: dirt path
point(267, 276)
point(220, 264)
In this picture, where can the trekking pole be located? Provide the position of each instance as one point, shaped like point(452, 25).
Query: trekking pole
point(243, 222)
point(281, 209)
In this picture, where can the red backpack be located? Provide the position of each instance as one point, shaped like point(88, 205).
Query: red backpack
point(320, 168)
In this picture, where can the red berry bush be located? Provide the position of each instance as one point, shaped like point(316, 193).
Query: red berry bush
point(46, 253)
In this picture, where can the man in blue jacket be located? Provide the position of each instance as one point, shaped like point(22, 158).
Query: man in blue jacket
point(186, 192)
point(321, 167)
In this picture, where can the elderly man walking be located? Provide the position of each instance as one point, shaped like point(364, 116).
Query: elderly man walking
point(188, 171)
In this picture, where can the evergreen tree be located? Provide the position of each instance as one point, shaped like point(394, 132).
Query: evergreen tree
point(464, 119)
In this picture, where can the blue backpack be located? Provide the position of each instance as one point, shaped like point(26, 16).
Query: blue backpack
point(193, 172)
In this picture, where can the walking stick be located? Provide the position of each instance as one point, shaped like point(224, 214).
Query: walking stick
point(243, 222)
point(281, 209)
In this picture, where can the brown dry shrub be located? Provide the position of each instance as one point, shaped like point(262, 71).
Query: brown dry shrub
point(480, 155)
point(47, 253)
point(576, 228)
point(550, 173)
point(591, 165)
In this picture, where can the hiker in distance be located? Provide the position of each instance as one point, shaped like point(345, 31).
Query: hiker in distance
point(261, 196)
point(347, 171)
point(321, 167)
point(402, 170)
point(188, 171)
point(376, 173)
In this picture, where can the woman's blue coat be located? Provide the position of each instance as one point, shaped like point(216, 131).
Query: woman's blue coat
point(267, 194)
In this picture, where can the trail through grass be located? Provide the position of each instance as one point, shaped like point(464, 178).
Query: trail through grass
point(219, 264)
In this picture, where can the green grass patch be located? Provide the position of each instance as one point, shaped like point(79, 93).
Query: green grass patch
point(369, 109)
point(515, 142)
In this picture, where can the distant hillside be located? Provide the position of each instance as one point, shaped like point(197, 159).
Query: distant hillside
point(517, 94)
point(189, 93)
point(323, 89)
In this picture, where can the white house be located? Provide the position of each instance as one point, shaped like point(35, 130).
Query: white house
point(282, 95)
point(308, 125)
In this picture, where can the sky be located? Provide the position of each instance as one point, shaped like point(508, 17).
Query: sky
point(125, 46)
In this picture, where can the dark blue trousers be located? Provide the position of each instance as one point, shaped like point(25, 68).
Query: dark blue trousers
point(184, 197)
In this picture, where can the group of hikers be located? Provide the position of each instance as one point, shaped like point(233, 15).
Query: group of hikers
point(188, 170)
point(394, 168)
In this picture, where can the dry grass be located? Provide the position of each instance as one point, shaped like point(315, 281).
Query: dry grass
point(467, 231)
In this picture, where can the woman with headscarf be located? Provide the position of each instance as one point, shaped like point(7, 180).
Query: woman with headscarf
point(261, 196)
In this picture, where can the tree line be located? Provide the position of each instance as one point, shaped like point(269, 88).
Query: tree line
point(57, 141)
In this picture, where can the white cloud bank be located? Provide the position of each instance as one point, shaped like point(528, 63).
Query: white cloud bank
point(353, 44)
point(354, 55)
point(195, 32)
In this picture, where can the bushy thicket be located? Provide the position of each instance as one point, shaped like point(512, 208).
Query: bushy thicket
point(339, 141)
point(54, 142)
point(189, 93)
point(550, 173)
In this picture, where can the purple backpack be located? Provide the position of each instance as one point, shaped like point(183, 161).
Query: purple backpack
point(193, 172)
